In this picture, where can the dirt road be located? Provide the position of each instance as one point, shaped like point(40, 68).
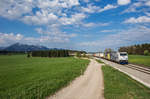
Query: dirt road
point(88, 86)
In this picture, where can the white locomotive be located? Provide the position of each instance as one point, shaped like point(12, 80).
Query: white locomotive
point(119, 57)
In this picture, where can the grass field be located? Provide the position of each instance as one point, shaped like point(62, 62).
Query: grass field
point(34, 78)
point(120, 86)
point(139, 59)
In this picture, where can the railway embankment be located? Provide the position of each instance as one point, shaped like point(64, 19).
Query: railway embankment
point(138, 75)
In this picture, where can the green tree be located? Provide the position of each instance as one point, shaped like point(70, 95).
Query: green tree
point(28, 55)
point(146, 52)
point(84, 55)
point(78, 54)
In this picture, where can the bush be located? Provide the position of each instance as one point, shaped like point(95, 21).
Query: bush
point(84, 55)
point(28, 55)
point(78, 54)
point(146, 52)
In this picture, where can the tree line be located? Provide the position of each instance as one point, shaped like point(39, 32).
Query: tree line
point(3, 52)
point(50, 53)
point(139, 49)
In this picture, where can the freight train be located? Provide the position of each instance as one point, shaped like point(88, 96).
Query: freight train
point(119, 57)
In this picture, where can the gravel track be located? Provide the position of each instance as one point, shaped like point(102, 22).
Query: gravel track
point(87, 86)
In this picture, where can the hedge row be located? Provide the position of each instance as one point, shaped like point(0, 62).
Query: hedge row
point(51, 53)
point(3, 52)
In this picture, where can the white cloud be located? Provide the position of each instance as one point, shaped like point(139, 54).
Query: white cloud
point(39, 12)
point(141, 19)
point(147, 13)
point(74, 19)
point(90, 9)
point(73, 2)
point(6, 39)
point(14, 9)
point(91, 24)
point(53, 32)
point(41, 17)
point(147, 3)
point(123, 2)
point(39, 30)
point(47, 38)
point(107, 7)
point(138, 6)
point(133, 7)
point(122, 38)
point(106, 31)
point(57, 3)
point(48, 12)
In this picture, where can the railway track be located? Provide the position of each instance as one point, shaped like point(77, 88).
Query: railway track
point(139, 68)
point(138, 73)
point(136, 67)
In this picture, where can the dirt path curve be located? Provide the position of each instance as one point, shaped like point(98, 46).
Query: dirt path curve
point(88, 86)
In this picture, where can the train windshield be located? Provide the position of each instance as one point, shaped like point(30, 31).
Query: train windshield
point(123, 54)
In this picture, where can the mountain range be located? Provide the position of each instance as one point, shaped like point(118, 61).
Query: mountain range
point(23, 47)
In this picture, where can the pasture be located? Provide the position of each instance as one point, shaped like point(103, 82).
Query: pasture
point(140, 59)
point(34, 78)
point(117, 85)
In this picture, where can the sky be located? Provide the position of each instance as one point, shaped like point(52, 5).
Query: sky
point(90, 25)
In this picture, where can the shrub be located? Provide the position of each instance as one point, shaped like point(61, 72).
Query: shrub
point(84, 55)
point(146, 52)
point(28, 55)
point(78, 54)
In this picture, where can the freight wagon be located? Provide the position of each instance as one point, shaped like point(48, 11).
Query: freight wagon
point(99, 54)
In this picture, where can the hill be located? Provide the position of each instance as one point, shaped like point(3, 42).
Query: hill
point(24, 47)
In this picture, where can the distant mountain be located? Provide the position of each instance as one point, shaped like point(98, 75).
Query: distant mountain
point(24, 47)
point(1, 48)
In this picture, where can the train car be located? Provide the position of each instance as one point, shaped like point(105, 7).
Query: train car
point(108, 56)
point(119, 57)
point(101, 55)
point(113, 56)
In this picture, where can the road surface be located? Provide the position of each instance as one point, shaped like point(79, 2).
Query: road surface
point(88, 86)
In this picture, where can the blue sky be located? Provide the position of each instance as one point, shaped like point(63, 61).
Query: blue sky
point(90, 25)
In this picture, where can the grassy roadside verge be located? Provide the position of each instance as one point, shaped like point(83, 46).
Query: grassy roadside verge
point(120, 86)
point(99, 61)
point(36, 78)
point(140, 59)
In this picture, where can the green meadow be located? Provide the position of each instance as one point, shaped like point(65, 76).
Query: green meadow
point(117, 85)
point(34, 78)
point(140, 59)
